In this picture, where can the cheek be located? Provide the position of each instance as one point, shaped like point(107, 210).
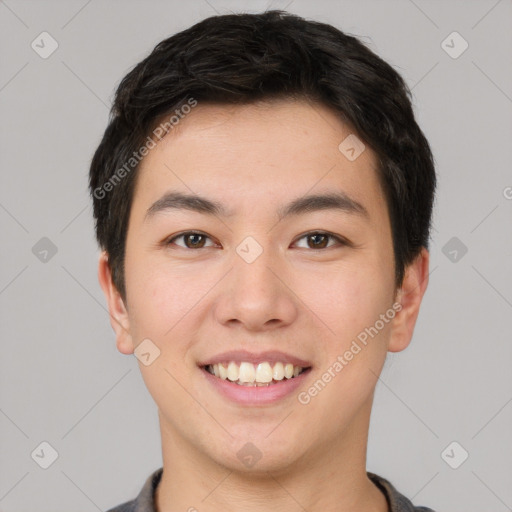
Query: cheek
point(160, 303)
point(165, 300)
point(346, 299)
point(353, 356)
point(152, 299)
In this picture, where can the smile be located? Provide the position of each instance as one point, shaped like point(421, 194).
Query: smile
point(255, 375)
point(248, 378)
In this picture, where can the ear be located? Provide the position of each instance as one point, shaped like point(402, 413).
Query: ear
point(409, 296)
point(118, 313)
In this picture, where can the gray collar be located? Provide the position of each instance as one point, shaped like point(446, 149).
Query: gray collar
point(145, 500)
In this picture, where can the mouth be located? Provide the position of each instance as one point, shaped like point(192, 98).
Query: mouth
point(262, 374)
point(249, 379)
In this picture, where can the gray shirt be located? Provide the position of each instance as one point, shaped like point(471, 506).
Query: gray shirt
point(144, 502)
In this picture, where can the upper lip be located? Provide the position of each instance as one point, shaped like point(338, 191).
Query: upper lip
point(270, 356)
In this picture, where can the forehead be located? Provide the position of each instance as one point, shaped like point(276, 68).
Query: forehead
point(260, 153)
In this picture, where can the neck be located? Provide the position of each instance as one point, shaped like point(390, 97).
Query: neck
point(329, 477)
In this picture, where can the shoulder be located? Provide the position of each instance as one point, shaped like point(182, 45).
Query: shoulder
point(144, 502)
point(124, 507)
point(397, 502)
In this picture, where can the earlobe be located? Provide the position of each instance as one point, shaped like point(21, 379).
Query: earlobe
point(119, 319)
point(409, 297)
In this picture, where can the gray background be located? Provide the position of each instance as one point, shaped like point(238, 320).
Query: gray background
point(62, 379)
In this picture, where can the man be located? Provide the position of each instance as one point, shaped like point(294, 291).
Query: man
point(263, 198)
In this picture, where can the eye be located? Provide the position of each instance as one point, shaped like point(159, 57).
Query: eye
point(319, 239)
point(197, 240)
point(192, 240)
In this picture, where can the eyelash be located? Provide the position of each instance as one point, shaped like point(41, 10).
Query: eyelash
point(341, 241)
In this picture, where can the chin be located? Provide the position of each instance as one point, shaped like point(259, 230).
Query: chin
point(259, 454)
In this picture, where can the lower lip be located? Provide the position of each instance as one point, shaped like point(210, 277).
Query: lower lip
point(256, 395)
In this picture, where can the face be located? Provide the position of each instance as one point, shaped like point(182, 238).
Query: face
point(279, 280)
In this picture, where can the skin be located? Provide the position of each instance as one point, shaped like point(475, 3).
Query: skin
point(312, 303)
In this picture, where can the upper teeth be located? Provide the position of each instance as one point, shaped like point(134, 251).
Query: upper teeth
point(250, 373)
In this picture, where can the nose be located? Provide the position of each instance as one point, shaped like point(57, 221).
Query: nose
point(256, 295)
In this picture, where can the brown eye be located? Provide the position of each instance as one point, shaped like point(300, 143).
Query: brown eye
point(194, 240)
point(191, 240)
point(320, 240)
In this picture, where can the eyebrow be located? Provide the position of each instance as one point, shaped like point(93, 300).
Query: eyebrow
point(305, 204)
